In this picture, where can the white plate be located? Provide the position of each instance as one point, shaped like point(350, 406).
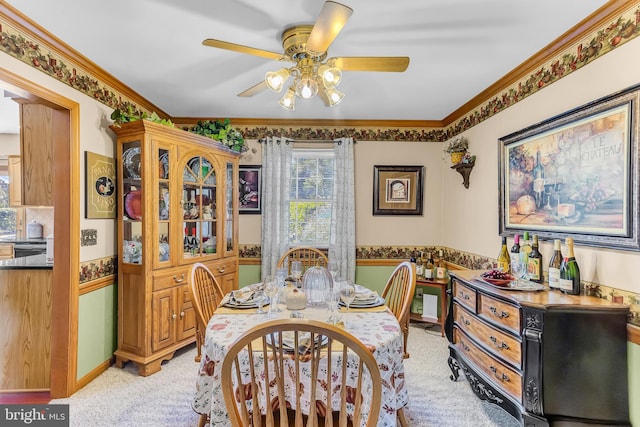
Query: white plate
point(368, 304)
point(287, 340)
point(131, 161)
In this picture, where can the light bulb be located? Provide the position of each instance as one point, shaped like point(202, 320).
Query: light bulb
point(331, 76)
point(334, 96)
point(275, 79)
point(288, 100)
point(306, 88)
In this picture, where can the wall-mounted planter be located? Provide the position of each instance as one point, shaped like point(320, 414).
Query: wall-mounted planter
point(464, 169)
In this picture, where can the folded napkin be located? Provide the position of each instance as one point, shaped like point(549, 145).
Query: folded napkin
point(242, 295)
point(364, 294)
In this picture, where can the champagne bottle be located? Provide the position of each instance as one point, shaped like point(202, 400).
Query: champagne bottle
point(569, 271)
point(515, 250)
point(504, 260)
point(554, 265)
point(419, 266)
point(428, 268)
point(534, 265)
point(525, 249)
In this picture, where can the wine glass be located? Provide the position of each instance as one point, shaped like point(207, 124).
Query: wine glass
point(521, 269)
point(347, 293)
point(280, 277)
point(332, 298)
point(332, 266)
point(260, 298)
point(296, 271)
point(271, 289)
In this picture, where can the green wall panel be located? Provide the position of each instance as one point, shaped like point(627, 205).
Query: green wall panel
point(248, 275)
point(97, 328)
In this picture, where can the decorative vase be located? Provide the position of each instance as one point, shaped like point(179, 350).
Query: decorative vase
point(456, 157)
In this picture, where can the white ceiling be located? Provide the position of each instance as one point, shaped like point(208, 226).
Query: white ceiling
point(457, 49)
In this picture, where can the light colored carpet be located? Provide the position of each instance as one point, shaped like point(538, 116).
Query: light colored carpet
point(119, 397)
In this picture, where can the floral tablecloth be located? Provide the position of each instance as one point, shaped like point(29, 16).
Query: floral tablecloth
point(377, 330)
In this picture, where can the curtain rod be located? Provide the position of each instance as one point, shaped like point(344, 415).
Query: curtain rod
point(305, 141)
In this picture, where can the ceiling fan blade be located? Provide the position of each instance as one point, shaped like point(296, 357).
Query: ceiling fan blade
point(371, 63)
point(333, 16)
point(244, 49)
point(254, 89)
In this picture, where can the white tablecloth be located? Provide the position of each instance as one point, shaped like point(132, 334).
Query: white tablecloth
point(379, 331)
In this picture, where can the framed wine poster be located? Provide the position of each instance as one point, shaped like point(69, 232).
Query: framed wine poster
point(250, 191)
point(575, 175)
point(100, 194)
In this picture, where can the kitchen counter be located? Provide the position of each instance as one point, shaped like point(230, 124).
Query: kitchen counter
point(43, 241)
point(33, 262)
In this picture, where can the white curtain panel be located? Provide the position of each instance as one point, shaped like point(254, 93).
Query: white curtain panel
point(343, 228)
point(276, 160)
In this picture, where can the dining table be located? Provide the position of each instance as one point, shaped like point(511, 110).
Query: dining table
point(376, 327)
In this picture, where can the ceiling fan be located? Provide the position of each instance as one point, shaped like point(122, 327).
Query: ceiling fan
point(313, 73)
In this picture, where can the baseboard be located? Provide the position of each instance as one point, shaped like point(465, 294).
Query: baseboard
point(94, 373)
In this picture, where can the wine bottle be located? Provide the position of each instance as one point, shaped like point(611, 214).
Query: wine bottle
point(195, 244)
point(419, 266)
point(441, 270)
point(428, 268)
point(412, 258)
point(186, 242)
point(525, 249)
point(569, 271)
point(504, 260)
point(515, 250)
point(538, 181)
point(534, 264)
point(554, 265)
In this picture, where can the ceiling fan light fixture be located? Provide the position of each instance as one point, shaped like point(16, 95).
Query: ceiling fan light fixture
point(331, 76)
point(288, 100)
point(334, 96)
point(306, 87)
point(275, 80)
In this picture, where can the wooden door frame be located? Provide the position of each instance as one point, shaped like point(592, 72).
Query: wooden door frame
point(66, 280)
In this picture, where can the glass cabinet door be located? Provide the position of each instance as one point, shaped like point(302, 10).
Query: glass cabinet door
point(199, 198)
point(132, 202)
point(229, 220)
point(164, 159)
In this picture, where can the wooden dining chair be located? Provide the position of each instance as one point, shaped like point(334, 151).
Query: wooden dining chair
point(307, 255)
point(253, 365)
point(206, 294)
point(398, 293)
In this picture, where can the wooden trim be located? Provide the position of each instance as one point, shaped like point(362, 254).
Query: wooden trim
point(66, 175)
point(65, 51)
point(593, 22)
point(94, 373)
point(94, 285)
point(633, 333)
point(379, 262)
point(249, 261)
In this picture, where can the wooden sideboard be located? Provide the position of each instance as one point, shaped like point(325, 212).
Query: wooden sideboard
point(545, 357)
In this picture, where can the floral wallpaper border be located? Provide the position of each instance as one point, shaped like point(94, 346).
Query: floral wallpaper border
point(98, 268)
point(24, 46)
point(473, 262)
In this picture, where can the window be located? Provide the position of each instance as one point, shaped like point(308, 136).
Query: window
point(311, 197)
point(7, 213)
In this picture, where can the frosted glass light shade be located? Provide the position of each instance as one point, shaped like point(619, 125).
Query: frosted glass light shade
point(334, 96)
point(275, 80)
point(331, 76)
point(288, 100)
point(306, 88)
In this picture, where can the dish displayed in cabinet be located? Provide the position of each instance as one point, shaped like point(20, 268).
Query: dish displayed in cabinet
point(133, 205)
point(163, 166)
point(131, 162)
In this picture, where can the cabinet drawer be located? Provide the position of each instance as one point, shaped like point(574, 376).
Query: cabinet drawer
point(170, 278)
point(497, 342)
point(465, 295)
point(223, 266)
point(504, 378)
point(499, 313)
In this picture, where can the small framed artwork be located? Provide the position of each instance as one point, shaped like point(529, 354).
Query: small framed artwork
point(250, 189)
point(100, 194)
point(575, 175)
point(397, 190)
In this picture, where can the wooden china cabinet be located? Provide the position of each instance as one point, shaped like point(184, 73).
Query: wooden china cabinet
point(178, 205)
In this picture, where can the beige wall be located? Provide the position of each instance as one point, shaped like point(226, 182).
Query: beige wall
point(383, 230)
point(471, 222)
point(94, 137)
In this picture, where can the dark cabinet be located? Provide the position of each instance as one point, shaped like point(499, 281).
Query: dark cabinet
point(545, 357)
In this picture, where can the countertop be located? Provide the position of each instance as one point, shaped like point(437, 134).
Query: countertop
point(33, 262)
point(43, 241)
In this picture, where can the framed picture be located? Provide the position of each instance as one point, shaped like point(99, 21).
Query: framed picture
point(575, 175)
point(100, 197)
point(397, 190)
point(250, 190)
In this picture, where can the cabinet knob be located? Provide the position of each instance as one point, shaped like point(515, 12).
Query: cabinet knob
point(221, 269)
point(502, 377)
point(181, 314)
point(464, 320)
point(173, 316)
point(179, 280)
